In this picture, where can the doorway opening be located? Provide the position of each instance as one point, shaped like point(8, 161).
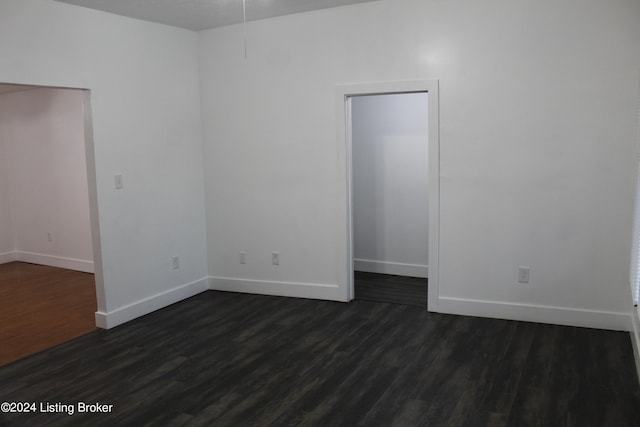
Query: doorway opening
point(391, 187)
point(50, 269)
point(389, 145)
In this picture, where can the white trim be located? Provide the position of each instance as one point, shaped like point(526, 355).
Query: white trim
point(634, 274)
point(537, 313)
point(149, 305)
point(635, 250)
point(396, 268)
point(343, 137)
point(348, 147)
point(635, 338)
point(55, 261)
point(93, 201)
point(6, 257)
point(285, 289)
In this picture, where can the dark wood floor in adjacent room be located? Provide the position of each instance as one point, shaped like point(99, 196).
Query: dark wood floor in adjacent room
point(226, 359)
point(389, 288)
point(41, 307)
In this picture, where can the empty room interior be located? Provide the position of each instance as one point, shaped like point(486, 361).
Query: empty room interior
point(46, 269)
point(344, 212)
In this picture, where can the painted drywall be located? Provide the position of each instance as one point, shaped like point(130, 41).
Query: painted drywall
point(6, 236)
point(145, 103)
point(537, 122)
point(390, 183)
point(537, 126)
point(43, 132)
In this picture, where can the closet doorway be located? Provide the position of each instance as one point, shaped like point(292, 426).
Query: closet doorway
point(390, 183)
point(392, 174)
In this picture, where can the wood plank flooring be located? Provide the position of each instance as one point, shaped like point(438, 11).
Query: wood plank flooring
point(226, 359)
point(391, 289)
point(42, 306)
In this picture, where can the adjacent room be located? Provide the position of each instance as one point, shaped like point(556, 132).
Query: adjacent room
point(223, 221)
point(46, 260)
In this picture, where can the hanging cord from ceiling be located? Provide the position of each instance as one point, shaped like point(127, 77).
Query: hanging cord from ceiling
point(244, 25)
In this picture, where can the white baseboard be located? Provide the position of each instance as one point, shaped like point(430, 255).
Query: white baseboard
point(151, 304)
point(635, 338)
point(285, 289)
point(6, 257)
point(396, 268)
point(55, 261)
point(536, 313)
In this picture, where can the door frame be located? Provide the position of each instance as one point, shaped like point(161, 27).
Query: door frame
point(90, 164)
point(344, 93)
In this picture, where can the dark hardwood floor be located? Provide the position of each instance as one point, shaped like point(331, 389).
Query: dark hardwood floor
point(226, 359)
point(391, 289)
point(42, 306)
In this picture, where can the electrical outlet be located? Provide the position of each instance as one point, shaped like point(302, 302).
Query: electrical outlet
point(49, 237)
point(118, 181)
point(243, 257)
point(175, 262)
point(275, 258)
point(523, 274)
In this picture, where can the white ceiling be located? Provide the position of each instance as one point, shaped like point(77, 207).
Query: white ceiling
point(205, 14)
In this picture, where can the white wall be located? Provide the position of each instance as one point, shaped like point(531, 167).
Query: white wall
point(390, 183)
point(537, 122)
point(537, 130)
point(635, 338)
point(43, 131)
point(143, 79)
point(6, 235)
